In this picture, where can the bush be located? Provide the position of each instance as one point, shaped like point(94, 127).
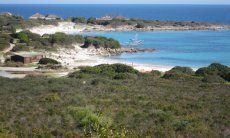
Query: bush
point(105, 70)
point(46, 61)
point(98, 42)
point(13, 64)
point(122, 76)
point(61, 39)
point(20, 47)
point(122, 68)
point(78, 75)
point(213, 79)
point(23, 37)
point(226, 76)
point(182, 70)
point(214, 69)
point(140, 25)
point(178, 73)
point(4, 41)
point(91, 70)
point(79, 20)
point(91, 20)
point(91, 121)
point(155, 73)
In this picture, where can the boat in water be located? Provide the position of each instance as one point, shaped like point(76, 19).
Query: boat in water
point(134, 42)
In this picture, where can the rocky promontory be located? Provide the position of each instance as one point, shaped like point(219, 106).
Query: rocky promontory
point(117, 51)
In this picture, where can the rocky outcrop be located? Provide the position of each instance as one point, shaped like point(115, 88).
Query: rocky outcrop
point(118, 51)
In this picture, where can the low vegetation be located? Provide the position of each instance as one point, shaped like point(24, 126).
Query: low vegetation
point(101, 42)
point(54, 41)
point(4, 41)
point(45, 61)
point(115, 101)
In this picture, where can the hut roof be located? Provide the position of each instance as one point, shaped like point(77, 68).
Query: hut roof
point(27, 54)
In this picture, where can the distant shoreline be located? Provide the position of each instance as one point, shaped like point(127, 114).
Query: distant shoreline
point(73, 28)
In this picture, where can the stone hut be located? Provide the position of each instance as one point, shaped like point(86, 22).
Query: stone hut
point(26, 57)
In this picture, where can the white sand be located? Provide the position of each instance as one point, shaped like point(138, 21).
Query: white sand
point(65, 27)
point(73, 58)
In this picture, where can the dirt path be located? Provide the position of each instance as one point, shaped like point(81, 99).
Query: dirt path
point(9, 48)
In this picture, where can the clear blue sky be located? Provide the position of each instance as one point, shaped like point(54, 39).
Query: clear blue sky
point(114, 1)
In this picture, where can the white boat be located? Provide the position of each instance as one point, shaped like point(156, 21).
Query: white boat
point(134, 41)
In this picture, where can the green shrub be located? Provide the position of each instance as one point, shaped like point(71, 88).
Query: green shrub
point(78, 75)
point(13, 64)
point(90, 70)
point(4, 41)
point(179, 73)
point(226, 76)
point(155, 73)
point(20, 47)
point(46, 61)
point(89, 120)
point(23, 37)
point(213, 79)
point(122, 76)
point(182, 70)
point(214, 69)
point(91, 20)
point(79, 20)
point(106, 70)
point(98, 42)
point(140, 25)
point(51, 98)
point(122, 68)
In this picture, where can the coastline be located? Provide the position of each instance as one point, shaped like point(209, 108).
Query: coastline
point(77, 57)
point(73, 58)
point(73, 28)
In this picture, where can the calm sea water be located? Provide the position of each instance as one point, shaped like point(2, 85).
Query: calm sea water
point(182, 48)
point(201, 13)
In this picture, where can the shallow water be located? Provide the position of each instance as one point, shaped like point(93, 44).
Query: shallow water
point(182, 48)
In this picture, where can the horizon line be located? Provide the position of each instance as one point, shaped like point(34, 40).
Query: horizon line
point(111, 4)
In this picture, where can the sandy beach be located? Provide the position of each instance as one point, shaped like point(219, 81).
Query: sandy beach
point(73, 58)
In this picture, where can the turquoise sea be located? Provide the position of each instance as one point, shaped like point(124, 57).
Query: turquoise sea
point(183, 48)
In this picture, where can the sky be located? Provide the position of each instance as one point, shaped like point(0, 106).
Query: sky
point(114, 1)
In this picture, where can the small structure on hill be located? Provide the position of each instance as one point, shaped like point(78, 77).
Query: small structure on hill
point(106, 18)
point(26, 57)
point(121, 18)
point(37, 16)
point(52, 17)
point(6, 13)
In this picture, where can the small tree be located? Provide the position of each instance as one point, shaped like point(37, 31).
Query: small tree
point(79, 20)
point(46, 61)
point(140, 25)
point(23, 37)
point(91, 20)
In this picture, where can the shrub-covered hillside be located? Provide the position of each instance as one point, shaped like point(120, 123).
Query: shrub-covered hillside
point(115, 101)
point(28, 40)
